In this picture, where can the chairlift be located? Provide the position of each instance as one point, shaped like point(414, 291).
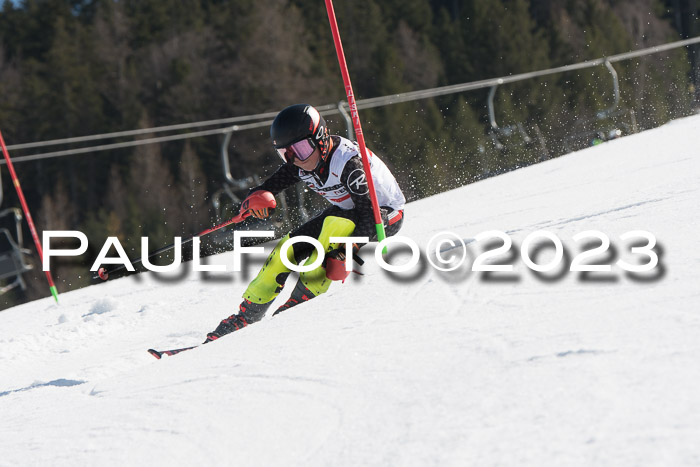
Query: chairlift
point(615, 131)
point(614, 128)
point(231, 185)
point(496, 132)
point(14, 258)
point(612, 110)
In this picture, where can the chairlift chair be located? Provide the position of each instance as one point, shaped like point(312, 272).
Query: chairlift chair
point(497, 132)
point(13, 256)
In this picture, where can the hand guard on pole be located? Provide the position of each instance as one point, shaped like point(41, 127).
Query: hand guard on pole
point(258, 204)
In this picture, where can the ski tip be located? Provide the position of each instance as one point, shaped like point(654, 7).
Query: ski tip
point(159, 353)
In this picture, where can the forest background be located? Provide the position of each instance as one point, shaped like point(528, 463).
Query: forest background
point(80, 67)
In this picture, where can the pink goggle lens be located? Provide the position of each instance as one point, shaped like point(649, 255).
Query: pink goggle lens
point(302, 150)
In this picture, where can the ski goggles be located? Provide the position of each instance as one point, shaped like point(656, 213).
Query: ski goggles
point(302, 150)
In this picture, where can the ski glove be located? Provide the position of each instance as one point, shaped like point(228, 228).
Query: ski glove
point(258, 204)
point(335, 264)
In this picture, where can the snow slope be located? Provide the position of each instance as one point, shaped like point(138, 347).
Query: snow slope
point(433, 369)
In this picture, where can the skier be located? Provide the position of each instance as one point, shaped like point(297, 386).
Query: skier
point(332, 167)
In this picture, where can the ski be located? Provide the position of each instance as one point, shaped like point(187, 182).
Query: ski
point(159, 353)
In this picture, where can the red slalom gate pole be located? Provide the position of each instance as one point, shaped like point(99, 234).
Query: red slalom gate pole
point(23, 202)
point(381, 235)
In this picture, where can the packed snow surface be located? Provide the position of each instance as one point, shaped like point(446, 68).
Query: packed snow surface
point(419, 368)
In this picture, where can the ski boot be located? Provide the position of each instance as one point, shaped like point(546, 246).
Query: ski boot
point(299, 295)
point(248, 312)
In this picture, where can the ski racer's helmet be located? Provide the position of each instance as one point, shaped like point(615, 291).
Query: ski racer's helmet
point(297, 131)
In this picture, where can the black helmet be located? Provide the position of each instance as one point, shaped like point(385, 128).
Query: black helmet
point(300, 122)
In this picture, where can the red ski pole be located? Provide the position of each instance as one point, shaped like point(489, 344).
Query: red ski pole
point(381, 235)
point(23, 202)
point(104, 274)
point(258, 200)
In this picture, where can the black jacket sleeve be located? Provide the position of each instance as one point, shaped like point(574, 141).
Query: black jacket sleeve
point(284, 177)
point(354, 180)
